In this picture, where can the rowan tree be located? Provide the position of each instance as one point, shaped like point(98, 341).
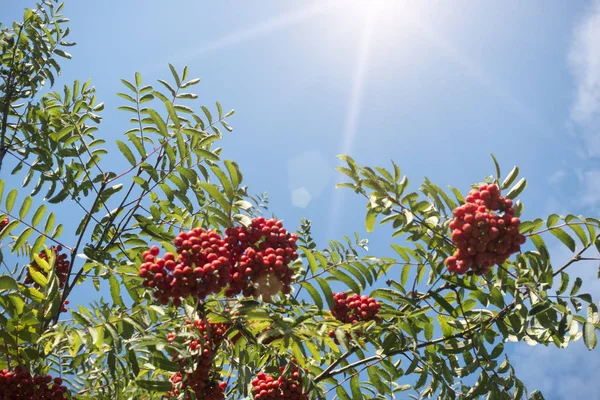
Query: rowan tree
point(213, 298)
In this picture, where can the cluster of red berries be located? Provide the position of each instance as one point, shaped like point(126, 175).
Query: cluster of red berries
point(201, 267)
point(265, 387)
point(261, 255)
point(3, 223)
point(205, 389)
point(61, 266)
point(204, 346)
point(254, 261)
point(20, 384)
point(350, 309)
point(482, 235)
point(63, 308)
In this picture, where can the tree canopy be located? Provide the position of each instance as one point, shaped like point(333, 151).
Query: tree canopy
point(211, 298)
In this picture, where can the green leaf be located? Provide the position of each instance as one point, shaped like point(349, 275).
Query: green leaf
point(576, 286)
point(405, 274)
point(539, 307)
point(38, 277)
point(129, 85)
point(447, 330)
point(173, 114)
point(115, 291)
point(512, 176)
point(342, 277)
point(138, 79)
point(355, 388)
point(341, 393)
point(25, 207)
point(517, 189)
point(175, 76)
point(497, 166)
point(370, 220)
point(154, 386)
point(314, 294)
point(589, 335)
point(326, 289)
point(126, 152)
point(62, 53)
point(10, 199)
point(552, 220)
point(564, 283)
point(234, 173)
point(375, 380)
point(160, 124)
point(564, 237)
point(8, 283)
point(32, 293)
point(214, 192)
point(227, 186)
point(208, 114)
point(38, 215)
point(312, 263)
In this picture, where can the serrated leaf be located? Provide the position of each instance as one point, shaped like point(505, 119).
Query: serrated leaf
point(497, 166)
point(405, 274)
point(10, 200)
point(154, 386)
point(25, 206)
point(38, 215)
point(517, 189)
point(310, 258)
point(564, 237)
point(115, 291)
point(62, 53)
point(175, 76)
point(355, 388)
point(126, 152)
point(129, 85)
point(160, 123)
point(341, 393)
point(326, 289)
point(370, 219)
point(314, 294)
point(589, 335)
point(510, 178)
point(8, 283)
point(552, 220)
point(214, 192)
point(37, 277)
point(576, 286)
point(347, 280)
point(173, 114)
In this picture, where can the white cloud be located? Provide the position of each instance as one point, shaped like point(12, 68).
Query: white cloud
point(584, 60)
point(557, 176)
point(591, 188)
point(569, 373)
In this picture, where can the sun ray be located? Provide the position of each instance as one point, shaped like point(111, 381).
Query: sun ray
point(354, 105)
point(476, 73)
point(258, 30)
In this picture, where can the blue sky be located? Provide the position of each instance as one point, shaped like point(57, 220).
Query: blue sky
point(435, 86)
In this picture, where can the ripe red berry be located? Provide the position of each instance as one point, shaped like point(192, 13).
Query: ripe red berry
point(354, 308)
point(201, 267)
point(261, 255)
point(483, 237)
point(285, 387)
point(21, 384)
